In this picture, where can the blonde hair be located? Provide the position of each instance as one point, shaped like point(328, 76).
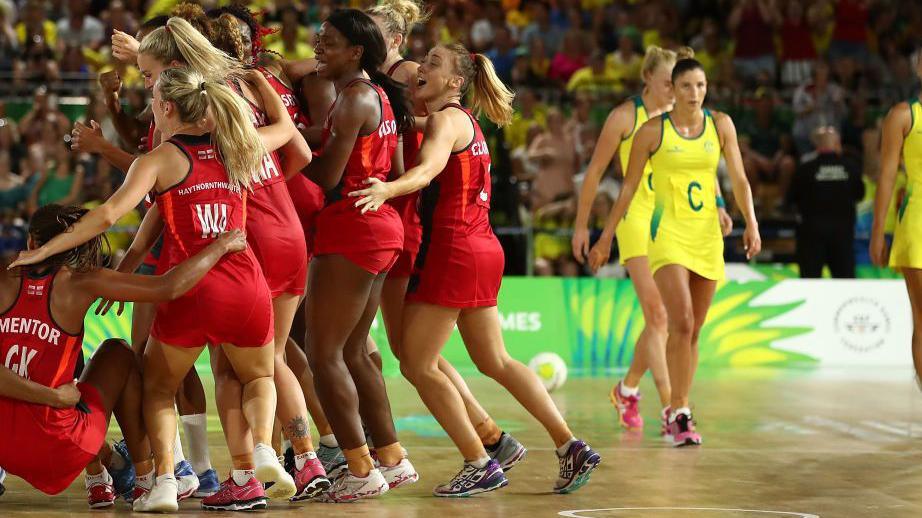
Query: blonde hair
point(180, 41)
point(656, 57)
point(239, 145)
point(400, 15)
point(489, 95)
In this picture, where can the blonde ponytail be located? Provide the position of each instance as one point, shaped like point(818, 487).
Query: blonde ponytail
point(239, 145)
point(489, 96)
point(657, 57)
point(400, 16)
point(180, 41)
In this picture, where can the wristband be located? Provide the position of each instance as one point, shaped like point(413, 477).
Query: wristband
point(721, 203)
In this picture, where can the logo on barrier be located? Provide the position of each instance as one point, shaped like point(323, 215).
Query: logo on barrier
point(862, 324)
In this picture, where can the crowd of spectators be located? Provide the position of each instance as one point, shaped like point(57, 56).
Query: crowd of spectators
point(783, 69)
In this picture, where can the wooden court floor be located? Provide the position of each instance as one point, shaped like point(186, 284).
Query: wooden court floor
point(798, 443)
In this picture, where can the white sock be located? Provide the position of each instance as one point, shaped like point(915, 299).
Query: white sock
point(684, 410)
point(145, 481)
point(164, 478)
point(302, 458)
point(480, 463)
point(242, 476)
point(177, 447)
point(196, 428)
point(667, 411)
point(329, 441)
point(565, 447)
point(102, 478)
point(628, 391)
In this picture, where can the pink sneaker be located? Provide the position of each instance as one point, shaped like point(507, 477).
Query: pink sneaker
point(231, 497)
point(682, 430)
point(627, 407)
point(664, 427)
point(311, 480)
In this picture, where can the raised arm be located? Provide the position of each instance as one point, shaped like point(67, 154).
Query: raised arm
point(896, 126)
point(110, 284)
point(605, 149)
point(142, 175)
point(350, 115)
point(742, 193)
point(646, 140)
point(438, 141)
point(128, 127)
point(281, 128)
point(90, 139)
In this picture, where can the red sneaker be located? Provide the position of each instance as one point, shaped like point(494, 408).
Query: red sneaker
point(100, 495)
point(311, 480)
point(231, 497)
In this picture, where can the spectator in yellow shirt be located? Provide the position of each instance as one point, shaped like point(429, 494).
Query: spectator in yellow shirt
point(626, 61)
point(291, 43)
point(34, 24)
point(595, 79)
point(529, 112)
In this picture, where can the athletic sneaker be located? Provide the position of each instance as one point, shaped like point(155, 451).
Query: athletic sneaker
point(400, 474)
point(627, 407)
point(311, 480)
point(472, 480)
point(100, 495)
point(289, 462)
point(269, 469)
point(507, 451)
point(123, 479)
point(664, 426)
point(349, 488)
point(682, 430)
point(332, 459)
point(162, 498)
point(2, 478)
point(575, 467)
point(186, 480)
point(207, 484)
point(231, 497)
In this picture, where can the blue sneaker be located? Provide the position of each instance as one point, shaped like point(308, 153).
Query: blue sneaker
point(186, 480)
point(123, 479)
point(472, 480)
point(575, 467)
point(332, 459)
point(207, 484)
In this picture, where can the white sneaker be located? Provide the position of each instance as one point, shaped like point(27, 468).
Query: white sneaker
point(268, 469)
point(399, 475)
point(349, 488)
point(186, 479)
point(162, 498)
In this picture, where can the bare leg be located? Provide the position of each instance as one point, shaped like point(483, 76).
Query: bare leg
point(914, 288)
point(298, 363)
point(650, 351)
point(673, 280)
point(292, 410)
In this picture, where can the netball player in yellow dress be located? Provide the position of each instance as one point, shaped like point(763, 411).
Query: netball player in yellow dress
point(685, 252)
point(902, 135)
point(633, 232)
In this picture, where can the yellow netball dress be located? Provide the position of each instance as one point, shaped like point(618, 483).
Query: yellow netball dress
point(633, 232)
point(684, 228)
point(907, 236)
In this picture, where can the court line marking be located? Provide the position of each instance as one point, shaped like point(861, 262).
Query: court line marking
point(573, 514)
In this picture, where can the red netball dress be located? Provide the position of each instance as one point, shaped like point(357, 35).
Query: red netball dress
point(48, 447)
point(407, 205)
point(231, 304)
point(306, 195)
point(460, 262)
point(371, 240)
point(273, 229)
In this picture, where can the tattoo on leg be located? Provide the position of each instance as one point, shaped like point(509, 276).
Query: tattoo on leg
point(297, 428)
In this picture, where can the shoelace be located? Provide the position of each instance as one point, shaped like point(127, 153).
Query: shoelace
point(464, 476)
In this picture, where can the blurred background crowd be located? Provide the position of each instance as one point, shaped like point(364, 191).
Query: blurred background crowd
point(785, 70)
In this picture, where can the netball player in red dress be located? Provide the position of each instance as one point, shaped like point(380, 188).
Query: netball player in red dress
point(460, 267)
point(200, 179)
point(53, 426)
point(353, 252)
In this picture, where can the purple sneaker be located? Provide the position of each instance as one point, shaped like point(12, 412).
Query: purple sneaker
point(682, 431)
point(575, 467)
point(472, 480)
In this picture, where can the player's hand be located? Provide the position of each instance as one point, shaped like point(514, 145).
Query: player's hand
point(125, 47)
point(752, 241)
point(880, 252)
point(27, 257)
point(110, 82)
point(105, 305)
point(598, 255)
point(580, 244)
point(373, 196)
point(87, 138)
point(726, 222)
point(233, 241)
point(66, 396)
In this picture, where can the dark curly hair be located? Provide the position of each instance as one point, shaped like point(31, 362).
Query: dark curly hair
point(53, 219)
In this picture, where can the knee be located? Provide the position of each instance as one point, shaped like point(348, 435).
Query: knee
point(655, 318)
point(682, 325)
point(492, 366)
point(115, 348)
point(415, 372)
